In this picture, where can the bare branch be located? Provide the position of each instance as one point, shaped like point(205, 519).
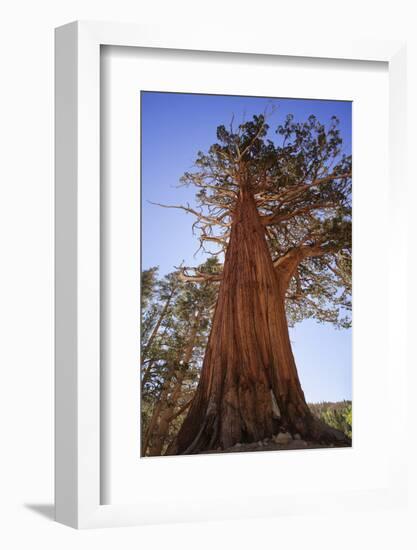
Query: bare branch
point(199, 276)
point(220, 240)
point(286, 266)
point(277, 218)
point(220, 190)
point(202, 217)
point(298, 190)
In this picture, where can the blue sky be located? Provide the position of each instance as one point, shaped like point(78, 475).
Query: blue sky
point(174, 128)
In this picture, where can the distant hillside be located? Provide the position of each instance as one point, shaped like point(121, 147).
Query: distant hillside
point(338, 415)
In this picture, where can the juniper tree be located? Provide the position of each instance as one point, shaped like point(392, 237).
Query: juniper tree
point(280, 212)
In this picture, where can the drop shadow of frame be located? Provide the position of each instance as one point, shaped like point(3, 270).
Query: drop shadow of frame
point(45, 510)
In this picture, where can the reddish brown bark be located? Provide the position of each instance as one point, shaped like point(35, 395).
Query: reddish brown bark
point(248, 359)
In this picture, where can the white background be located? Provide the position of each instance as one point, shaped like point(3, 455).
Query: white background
point(247, 475)
point(26, 218)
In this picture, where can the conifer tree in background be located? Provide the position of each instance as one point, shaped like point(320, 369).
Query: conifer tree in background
point(156, 315)
point(177, 321)
point(282, 216)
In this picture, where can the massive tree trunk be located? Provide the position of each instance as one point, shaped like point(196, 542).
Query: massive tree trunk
point(249, 381)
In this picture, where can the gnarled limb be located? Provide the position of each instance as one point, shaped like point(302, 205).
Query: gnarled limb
point(286, 265)
point(297, 191)
point(200, 216)
point(199, 276)
point(280, 217)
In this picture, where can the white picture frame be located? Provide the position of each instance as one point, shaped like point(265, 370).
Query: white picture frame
point(78, 501)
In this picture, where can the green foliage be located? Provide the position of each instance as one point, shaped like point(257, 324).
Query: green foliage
point(337, 415)
point(171, 350)
point(148, 283)
point(302, 178)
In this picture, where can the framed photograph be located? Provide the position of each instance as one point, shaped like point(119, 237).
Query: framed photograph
point(222, 348)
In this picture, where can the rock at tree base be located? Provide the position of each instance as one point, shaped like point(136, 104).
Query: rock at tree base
point(282, 438)
point(272, 445)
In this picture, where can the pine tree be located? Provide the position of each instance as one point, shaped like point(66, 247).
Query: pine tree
point(178, 347)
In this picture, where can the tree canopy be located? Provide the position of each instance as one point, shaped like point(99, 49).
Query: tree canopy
point(301, 182)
